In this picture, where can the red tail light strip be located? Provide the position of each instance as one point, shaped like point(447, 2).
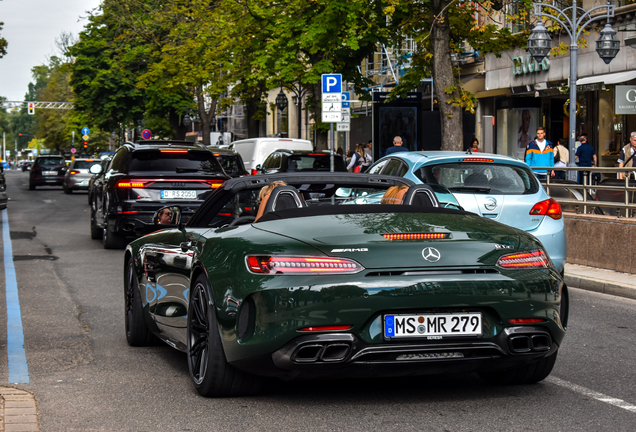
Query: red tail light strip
point(301, 265)
point(173, 151)
point(549, 207)
point(477, 160)
point(415, 236)
point(534, 259)
point(141, 183)
point(526, 320)
point(327, 328)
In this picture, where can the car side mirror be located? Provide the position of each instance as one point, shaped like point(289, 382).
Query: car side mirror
point(169, 216)
point(95, 169)
point(259, 168)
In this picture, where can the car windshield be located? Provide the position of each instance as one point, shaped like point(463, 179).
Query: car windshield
point(489, 178)
point(175, 162)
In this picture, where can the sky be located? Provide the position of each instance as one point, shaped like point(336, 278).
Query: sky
point(31, 27)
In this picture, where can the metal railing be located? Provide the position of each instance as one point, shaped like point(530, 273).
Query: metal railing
point(587, 196)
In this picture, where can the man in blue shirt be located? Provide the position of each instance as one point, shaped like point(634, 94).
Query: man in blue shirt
point(540, 153)
point(585, 156)
point(397, 146)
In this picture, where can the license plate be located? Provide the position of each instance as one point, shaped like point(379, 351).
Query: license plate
point(432, 326)
point(178, 194)
point(49, 172)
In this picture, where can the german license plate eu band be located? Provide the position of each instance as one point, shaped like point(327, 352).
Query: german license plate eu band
point(178, 194)
point(432, 325)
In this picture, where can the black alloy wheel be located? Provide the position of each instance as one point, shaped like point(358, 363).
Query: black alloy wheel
point(209, 370)
point(137, 332)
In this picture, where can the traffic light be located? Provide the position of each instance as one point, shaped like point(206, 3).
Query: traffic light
point(85, 144)
point(31, 107)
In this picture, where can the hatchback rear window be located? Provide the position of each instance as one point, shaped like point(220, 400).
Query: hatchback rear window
point(50, 161)
point(480, 178)
point(186, 162)
point(85, 164)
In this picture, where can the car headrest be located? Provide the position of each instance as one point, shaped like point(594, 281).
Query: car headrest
point(283, 198)
point(419, 196)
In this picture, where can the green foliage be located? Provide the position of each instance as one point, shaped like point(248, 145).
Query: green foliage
point(3, 44)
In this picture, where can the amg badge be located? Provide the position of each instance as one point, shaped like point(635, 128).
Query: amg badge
point(351, 250)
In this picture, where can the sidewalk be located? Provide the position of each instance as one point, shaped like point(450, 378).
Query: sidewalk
point(18, 411)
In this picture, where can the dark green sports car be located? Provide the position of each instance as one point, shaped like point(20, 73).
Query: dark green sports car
point(325, 277)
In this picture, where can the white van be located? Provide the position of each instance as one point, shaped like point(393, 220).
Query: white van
point(254, 151)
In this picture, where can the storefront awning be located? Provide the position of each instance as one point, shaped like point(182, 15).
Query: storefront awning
point(613, 78)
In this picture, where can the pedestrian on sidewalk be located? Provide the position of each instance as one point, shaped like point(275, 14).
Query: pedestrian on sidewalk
point(397, 146)
point(561, 158)
point(585, 157)
point(540, 153)
point(626, 159)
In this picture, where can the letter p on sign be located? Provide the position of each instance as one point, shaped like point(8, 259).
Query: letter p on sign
point(332, 83)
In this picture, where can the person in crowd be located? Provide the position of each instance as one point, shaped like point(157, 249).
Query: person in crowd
point(540, 153)
point(263, 196)
point(474, 145)
point(394, 195)
point(369, 150)
point(359, 159)
point(340, 153)
point(626, 159)
point(397, 146)
point(585, 156)
point(561, 158)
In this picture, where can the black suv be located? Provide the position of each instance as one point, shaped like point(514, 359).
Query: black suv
point(47, 170)
point(230, 161)
point(300, 161)
point(143, 177)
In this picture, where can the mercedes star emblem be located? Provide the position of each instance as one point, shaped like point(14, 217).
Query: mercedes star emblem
point(431, 254)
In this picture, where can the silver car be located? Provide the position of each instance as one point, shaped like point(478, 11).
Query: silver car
point(77, 174)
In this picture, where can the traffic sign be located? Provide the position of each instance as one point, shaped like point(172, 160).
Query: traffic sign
point(343, 127)
point(85, 137)
point(345, 110)
point(331, 83)
point(346, 96)
point(331, 116)
point(331, 97)
point(346, 118)
point(73, 150)
point(85, 131)
point(146, 134)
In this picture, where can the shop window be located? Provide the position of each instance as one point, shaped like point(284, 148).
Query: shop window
point(513, 21)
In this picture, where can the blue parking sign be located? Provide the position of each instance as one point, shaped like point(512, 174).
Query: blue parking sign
point(332, 83)
point(346, 96)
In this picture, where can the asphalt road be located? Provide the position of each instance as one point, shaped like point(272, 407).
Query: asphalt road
point(86, 378)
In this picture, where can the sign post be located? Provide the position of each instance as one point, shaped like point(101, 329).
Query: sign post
point(331, 104)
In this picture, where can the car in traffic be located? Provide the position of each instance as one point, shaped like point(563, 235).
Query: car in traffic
point(254, 151)
point(97, 180)
point(4, 198)
point(284, 160)
point(496, 187)
point(322, 278)
point(25, 165)
point(230, 161)
point(47, 170)
point(144, 176)
point(78, 175)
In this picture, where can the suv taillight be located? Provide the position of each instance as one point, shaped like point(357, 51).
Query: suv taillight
point(524, 260)
point(549, 207)
point(130, 184)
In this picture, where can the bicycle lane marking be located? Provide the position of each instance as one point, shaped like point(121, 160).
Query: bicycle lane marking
point(16, 355)
point(591, 393)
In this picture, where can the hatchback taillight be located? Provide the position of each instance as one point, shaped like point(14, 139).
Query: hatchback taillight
point(524, 260)
point(281, 265)
point(74, 172)
point(549, 207)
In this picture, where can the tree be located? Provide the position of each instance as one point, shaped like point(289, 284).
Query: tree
point(3, 44)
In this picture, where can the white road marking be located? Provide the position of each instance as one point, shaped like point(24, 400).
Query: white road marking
point(48, 201)
point(591, 393)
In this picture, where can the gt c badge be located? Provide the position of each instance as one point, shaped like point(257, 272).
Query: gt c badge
point(431, 254)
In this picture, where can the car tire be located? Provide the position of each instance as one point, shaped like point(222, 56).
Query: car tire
point(67, 190)
point(137, 332)
point(209, 370)
point(31, 185)
point(96, 232)
point(112, 240)
point(527, 374)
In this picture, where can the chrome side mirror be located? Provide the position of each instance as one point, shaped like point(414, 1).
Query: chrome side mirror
point(167, 216)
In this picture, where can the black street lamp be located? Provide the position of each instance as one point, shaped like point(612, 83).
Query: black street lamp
point(281, 100)
point(540, 43)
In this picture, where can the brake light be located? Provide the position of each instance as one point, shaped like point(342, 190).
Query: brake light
point(215, 184)
point(301, 265)
point(216, 154)
point(327, 328)
point(130, 184)
point(317, 154)
point(90, 160)
point(74, 172)
point(127, 212)
point(477, 160)
point(549, 207)
point(526, 320)
point(415, 236)
point(173, 151)
point(534, 259)
point(254, 171)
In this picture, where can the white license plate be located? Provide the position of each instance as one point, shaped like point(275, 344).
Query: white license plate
point(432, 326)
point(49, 172)
point(178, 194)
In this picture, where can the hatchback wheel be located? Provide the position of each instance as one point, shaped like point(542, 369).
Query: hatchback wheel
point(209, 370)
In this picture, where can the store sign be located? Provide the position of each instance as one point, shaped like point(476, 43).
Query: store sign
point(625, 99)
point(525, 65)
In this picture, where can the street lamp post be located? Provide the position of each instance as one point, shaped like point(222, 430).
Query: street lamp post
point(540, 43)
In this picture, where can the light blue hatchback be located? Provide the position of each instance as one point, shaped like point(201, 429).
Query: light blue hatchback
point(494, 186)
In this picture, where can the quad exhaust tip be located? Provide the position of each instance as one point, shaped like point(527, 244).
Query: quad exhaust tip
point(529, 343)
point(322, 352)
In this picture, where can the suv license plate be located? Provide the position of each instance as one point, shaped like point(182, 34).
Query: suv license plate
point(178, 194)
point(432, 325)
point(49, 172)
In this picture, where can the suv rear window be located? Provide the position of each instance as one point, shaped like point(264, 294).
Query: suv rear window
point(317, 162)
point(189, 161)
point(50, 161)
point(476, 177)
point(231, 164)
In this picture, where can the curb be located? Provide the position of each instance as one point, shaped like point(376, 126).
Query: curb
point(601, 281)
point(18, 411)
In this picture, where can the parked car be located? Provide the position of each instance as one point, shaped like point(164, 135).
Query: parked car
point(231, 161)
point(496, 187)
point(4, 199)
point(145, 176)
point(77, 175)
point(25, 166)
point(255, 150)
point(331, 283)
point(300, 161)
point(47, 170)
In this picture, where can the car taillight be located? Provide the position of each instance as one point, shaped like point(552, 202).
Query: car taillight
point(301, 265)
point(526, 320)
point(477, 160)
point(415, 236)
point(215, 184)
point(74, 172)
point(549, 207)
point(173, 151)
point(327, 328)
point(524, 260)
point(130, 184)
point(254, 171)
